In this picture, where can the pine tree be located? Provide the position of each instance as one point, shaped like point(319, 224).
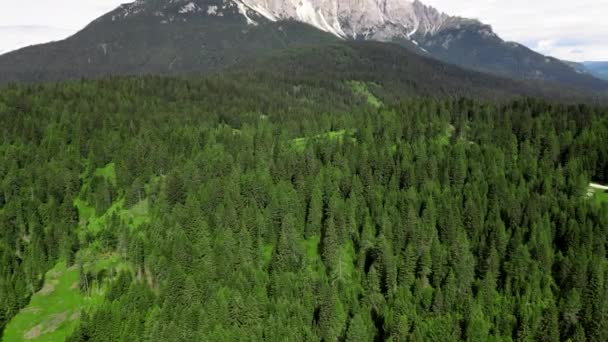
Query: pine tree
point(329, 246)
point(287, 256)
point(315, 212)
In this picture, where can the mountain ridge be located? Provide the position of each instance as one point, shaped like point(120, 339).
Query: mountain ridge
point(185, 36)
point(465, 42)
point(597, 68)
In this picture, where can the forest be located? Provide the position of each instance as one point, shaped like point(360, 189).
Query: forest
point(253, 209)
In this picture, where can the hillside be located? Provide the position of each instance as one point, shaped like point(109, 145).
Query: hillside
point(147, 43)
point(255, 207)
point(402, 73)
point(598, 69)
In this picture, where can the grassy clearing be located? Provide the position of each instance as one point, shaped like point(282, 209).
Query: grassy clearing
point(267, 254)
point(346, 269)
point(339, 136)
point(600, 197)
point(362, 89)
point(134, 216)
point(137, 214)
point(54, 311)
point(598, 192)
point(311, 246)
point(444, 139)
point(314, 266)
point(108, 172)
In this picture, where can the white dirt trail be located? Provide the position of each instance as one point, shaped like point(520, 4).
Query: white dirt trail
point(598, 186)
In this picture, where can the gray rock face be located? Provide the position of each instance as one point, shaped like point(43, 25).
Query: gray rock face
point(465, 42)
point(359, 19)
point(381, 20)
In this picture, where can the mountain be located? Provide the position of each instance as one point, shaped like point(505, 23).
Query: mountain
point(396, 73)
point(187, 36)
point(597, 69)
point(465, 42)
point(159, 37)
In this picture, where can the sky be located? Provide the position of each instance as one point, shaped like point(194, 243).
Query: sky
point(573, 30)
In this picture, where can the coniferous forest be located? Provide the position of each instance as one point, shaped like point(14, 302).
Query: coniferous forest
point(244, 209)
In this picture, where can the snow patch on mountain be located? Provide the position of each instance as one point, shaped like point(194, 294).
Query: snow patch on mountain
point(263, 11)
point(212, 10)
point(243, 11)
point(381, 20)
point(353, 19)
point(188, 8)
point(306, 12)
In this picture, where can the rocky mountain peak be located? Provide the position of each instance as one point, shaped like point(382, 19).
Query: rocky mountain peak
point(357, 19)
point(381, 20)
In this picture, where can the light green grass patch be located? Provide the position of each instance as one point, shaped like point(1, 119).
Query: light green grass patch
point(444, 139)
point(598, 193)
point(134, 216)
point(54, 311)
point(267, 250)
point(313, 262)
point(85, 212)
point(108, 172)
point(339, 136)
point(600, 197)
point(362, 89)
point(311, 246)
point(137, 214)
point(344, 269)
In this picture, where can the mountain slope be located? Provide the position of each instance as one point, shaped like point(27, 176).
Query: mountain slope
point(597, 69)
point(477, 47)
point(159, 37)
point(465, 42)
point(398, 72)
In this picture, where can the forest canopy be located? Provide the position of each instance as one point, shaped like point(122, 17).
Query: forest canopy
point(225, 209)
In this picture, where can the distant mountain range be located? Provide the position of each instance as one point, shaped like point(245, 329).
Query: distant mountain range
point(201, 36)
point(597, 69)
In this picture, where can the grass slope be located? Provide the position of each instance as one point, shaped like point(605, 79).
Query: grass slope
point(598, 193)
point(54, 311)
point(134, 216)
point(601, 197)
point(108, 172)
point(362, 89)
point(300, 143)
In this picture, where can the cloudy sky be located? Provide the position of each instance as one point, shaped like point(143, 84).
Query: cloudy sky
point(568, 29)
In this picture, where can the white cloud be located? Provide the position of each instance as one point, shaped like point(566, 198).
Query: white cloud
point(576, 30)
point(18, 36)
point(72, 14)
point(27, 22)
